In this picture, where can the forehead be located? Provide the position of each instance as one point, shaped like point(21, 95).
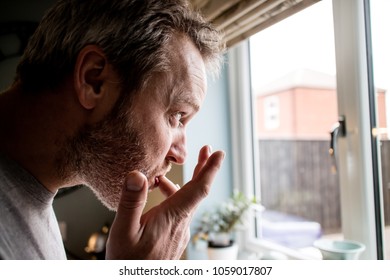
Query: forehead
point(184, 83)
point(187, 80)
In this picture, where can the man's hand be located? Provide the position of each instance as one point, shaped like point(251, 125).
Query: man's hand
point(162, 232)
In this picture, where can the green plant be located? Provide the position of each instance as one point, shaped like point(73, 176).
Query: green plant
point(224, 218)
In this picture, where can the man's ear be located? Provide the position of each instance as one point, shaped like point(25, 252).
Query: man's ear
point(90, 74)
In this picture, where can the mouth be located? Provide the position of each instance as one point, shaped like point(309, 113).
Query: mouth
point(155, 182)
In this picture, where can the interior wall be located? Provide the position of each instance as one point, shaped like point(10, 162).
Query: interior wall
point(17, 10)
point(31, 10)
point(212, 127)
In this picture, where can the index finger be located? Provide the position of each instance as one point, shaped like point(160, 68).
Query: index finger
point(185, 201)
point(204, 154)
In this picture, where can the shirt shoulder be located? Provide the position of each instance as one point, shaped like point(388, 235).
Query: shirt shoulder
point(28, 226)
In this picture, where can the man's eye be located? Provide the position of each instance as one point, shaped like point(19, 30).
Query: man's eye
point(176, 119)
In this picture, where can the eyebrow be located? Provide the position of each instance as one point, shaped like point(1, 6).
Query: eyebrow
point(179, 95)
point(185, 99)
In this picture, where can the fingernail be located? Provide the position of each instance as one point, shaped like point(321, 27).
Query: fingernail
point(132, 183)
point(210, 148)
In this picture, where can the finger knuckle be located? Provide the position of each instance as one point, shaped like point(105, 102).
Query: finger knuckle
point(131, 205)
point(204, 190)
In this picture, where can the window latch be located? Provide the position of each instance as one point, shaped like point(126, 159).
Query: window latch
point(338, 130)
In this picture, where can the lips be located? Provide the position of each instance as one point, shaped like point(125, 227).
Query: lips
point(155, 183)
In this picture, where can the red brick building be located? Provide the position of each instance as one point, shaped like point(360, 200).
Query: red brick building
point(302, 105)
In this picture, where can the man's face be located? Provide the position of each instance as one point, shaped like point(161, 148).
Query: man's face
point(147, 136)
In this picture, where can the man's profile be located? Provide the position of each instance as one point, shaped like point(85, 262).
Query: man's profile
point(102, 97)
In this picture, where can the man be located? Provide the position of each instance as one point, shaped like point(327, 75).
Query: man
point(102, 97)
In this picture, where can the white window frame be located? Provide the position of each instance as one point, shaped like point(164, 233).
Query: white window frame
point(355, 160)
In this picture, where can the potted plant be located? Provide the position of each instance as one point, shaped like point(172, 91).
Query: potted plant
point(217, 227)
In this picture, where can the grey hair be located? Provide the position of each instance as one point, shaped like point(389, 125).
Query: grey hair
point(133, 34)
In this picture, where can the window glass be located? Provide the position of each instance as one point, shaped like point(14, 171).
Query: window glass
point(295, 108)
point(381, 65)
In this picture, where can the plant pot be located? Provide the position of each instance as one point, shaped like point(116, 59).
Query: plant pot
point(216, 252)
point(220, 239)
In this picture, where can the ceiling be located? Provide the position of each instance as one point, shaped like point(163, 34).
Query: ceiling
point(240, 19)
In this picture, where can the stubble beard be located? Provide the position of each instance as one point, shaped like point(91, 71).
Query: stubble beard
point(101, 156)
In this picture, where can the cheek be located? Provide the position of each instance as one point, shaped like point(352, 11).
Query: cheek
point(164, 145)
point(159, 139)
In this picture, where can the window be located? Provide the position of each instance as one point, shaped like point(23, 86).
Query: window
point(271, 111)
point(381, 61)
point(282, 118)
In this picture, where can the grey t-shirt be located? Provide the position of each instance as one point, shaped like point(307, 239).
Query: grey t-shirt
point(28, 225)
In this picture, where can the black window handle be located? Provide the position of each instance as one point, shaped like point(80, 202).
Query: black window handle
point(338, 130)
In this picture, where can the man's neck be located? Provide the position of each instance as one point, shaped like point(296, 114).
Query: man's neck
point(33, 130)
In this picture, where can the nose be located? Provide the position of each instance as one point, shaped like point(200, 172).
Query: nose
point(178, 152)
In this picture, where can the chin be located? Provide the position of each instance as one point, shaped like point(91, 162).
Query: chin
point(108, 197)
point(111, 205)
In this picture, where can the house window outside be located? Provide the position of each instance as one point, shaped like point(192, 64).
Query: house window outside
point(271, 112)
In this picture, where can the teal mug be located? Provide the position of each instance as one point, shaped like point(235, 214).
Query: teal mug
point(339, 249)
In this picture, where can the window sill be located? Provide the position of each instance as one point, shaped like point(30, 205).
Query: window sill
point(267, 250)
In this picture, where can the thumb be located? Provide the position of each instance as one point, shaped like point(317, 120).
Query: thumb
point(132, 202)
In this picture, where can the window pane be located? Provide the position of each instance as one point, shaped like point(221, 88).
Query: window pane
point(381, 63)
point(294, 88)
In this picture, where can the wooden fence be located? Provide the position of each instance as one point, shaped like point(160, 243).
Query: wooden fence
point(385, 159)
point(297, 177)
